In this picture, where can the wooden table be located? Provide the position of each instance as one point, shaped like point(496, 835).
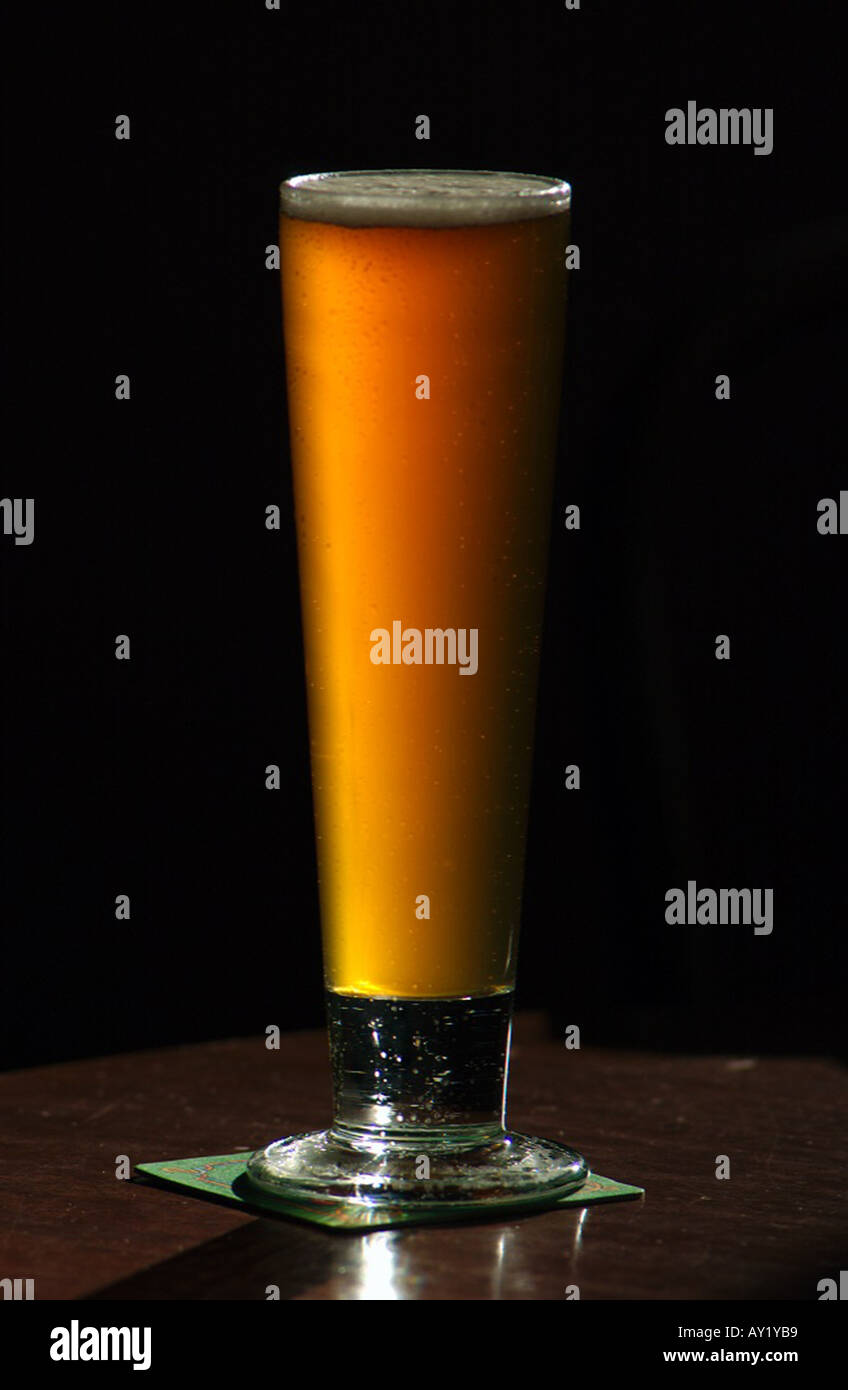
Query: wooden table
point(772, 1230)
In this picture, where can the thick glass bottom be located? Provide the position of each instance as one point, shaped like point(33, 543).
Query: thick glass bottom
point(504, 1170)
point(419, 1105)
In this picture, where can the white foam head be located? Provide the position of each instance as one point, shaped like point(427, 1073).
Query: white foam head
point(422, 197)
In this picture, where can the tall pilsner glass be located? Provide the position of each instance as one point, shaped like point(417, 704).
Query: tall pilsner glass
point(424, 317)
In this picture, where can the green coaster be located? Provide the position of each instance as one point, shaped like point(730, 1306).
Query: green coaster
point(222, 1176)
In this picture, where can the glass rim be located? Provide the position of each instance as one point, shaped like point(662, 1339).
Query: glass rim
point(324, 197)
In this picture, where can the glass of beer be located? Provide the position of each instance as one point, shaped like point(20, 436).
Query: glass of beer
point(423, 315)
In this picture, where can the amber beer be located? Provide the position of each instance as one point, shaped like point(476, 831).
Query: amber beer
point(423, 320)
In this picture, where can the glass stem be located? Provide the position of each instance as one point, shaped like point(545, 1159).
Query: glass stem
point(409, 1071)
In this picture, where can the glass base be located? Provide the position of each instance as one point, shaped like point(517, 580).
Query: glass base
point(505, 1170)
point(419, 1115)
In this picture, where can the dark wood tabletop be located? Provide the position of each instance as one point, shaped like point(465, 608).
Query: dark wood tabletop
point(773, 1229)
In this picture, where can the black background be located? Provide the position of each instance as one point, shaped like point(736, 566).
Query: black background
point(698, 517)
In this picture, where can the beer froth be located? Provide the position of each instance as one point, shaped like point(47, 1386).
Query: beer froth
point(422, 197)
